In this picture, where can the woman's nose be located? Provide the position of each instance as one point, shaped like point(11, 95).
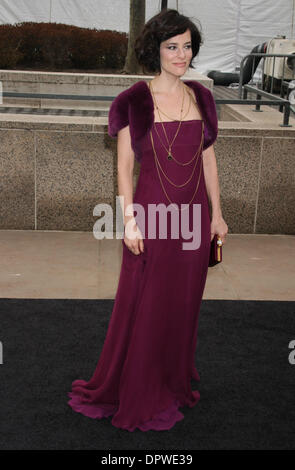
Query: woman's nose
point(181, 53)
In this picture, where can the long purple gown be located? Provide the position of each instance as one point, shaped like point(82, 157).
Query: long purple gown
point(144, 372)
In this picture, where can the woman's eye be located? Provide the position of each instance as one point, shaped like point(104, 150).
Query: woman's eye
point(172, 48)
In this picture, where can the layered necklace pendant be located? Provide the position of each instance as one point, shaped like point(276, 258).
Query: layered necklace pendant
point(196, 156)
point(169, 151)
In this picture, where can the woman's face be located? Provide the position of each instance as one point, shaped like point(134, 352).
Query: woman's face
point(176, 53)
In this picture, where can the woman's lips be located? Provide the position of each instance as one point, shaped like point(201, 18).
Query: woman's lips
point(180, 65)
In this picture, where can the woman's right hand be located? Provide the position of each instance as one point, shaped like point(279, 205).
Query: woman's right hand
point(135, 245)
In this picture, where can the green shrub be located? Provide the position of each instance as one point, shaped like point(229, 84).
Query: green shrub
point(10, 43)
point(61, 46)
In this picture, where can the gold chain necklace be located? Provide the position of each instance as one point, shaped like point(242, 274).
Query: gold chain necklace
point(171, 182)
point(169, 156)
point(169, 152)
point(201, 165)
point(197, 186)
point(176, 161)
point(183, 164)
point(157, 163)
point(172, 119)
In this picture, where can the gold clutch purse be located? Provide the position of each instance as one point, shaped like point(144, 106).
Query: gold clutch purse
point(215, 251)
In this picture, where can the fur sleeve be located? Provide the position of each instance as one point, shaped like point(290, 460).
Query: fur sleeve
point(211, 121)
point(118, 114)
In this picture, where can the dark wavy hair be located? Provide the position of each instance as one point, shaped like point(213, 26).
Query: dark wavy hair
point(159, 28)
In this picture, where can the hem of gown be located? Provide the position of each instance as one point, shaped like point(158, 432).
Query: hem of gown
point(161, 421)
point(195, 375)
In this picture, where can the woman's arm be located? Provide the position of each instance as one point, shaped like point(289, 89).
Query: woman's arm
point(218, 225)
point(125, 166)
point(211, 179)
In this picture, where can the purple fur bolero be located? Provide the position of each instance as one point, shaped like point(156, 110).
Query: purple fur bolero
point(135, 107)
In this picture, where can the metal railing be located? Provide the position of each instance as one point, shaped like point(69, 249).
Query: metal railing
point(55, 96)
point(272, 99)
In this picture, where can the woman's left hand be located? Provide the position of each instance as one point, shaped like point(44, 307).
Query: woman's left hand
point(219, 227)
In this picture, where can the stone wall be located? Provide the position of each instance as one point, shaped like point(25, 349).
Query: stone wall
point(54, 171)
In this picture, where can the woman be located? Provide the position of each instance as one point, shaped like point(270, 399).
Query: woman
point(147, 362)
